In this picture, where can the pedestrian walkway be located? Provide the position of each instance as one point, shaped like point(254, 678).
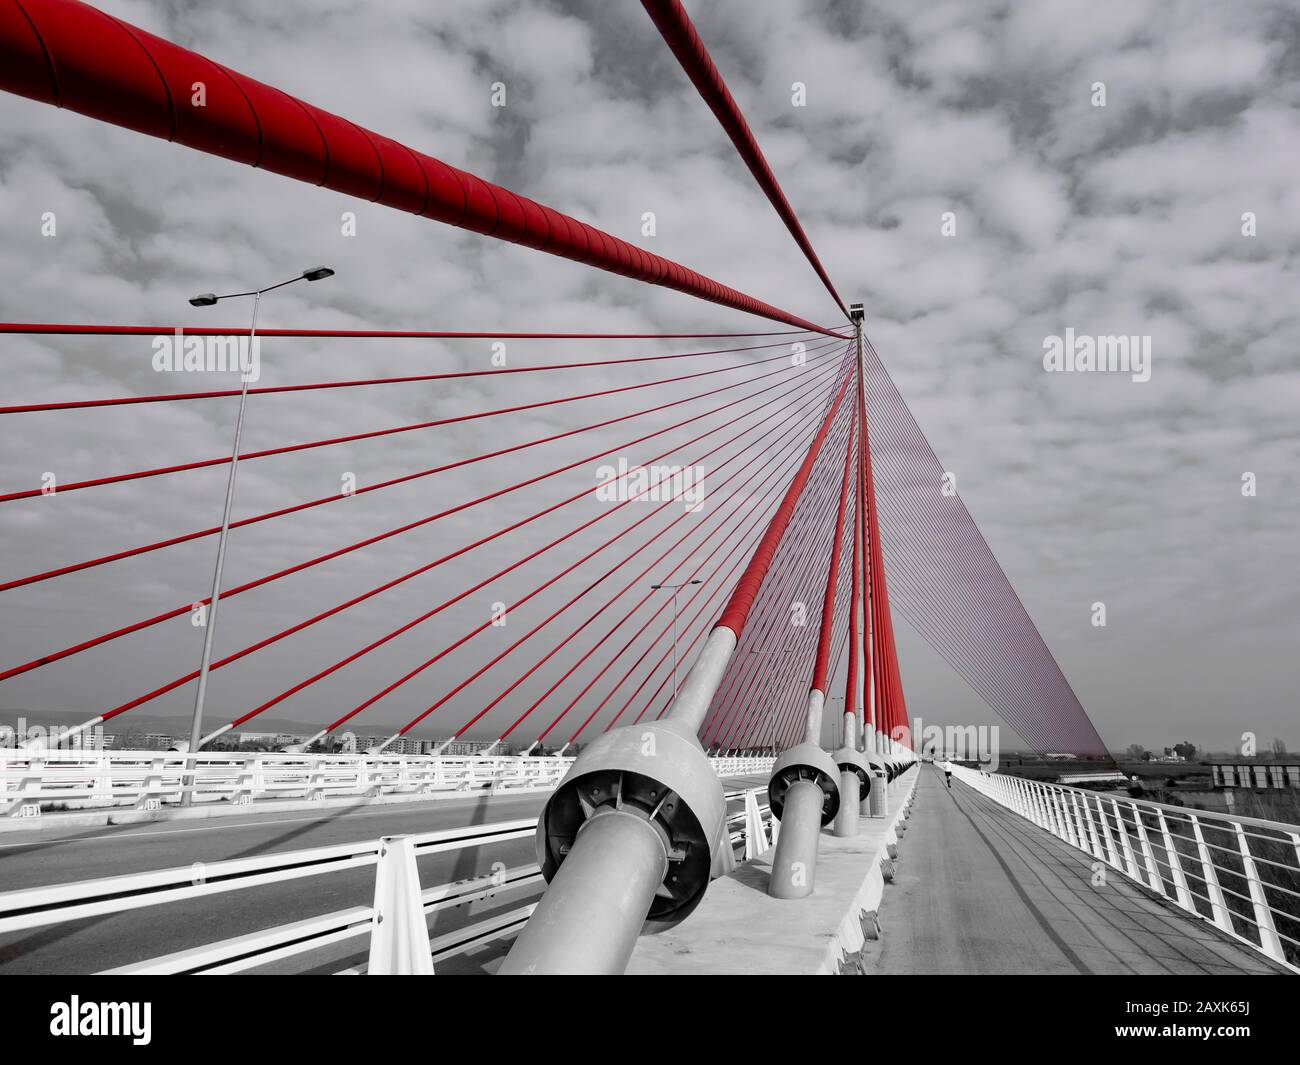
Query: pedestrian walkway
point(981, 890)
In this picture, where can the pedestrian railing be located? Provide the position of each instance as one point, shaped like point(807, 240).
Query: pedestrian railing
point(1240, 873)
point(32, 782)
point(748, 824)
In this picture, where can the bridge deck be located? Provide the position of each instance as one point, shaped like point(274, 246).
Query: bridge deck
point(982, 891)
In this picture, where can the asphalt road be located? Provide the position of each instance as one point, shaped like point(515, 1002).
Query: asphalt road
point(94, 944)
point(981, 891)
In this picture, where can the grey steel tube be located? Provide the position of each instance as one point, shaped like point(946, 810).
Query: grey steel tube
point(846, 817)
point(794, 865)
point(816, 703)
point(589, 918)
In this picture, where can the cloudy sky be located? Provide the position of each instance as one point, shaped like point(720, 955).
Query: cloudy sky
point(1122, 219)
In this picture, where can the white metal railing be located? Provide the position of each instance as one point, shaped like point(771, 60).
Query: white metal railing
point(36, 781)
point(1240, 873)
point(750, 827)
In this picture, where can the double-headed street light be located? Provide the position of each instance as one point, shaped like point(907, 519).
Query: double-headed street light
point(675, 589)
point(209, 299)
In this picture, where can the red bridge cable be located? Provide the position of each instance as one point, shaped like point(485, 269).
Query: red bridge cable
point(372, 434)
point(571, 633)
point(819, 677)
point(173, 397)
point(301, 685)
point(741, 557)
point(650, 702)
point(771, 608)
point(769, 645)
point(790, 714)
point(791, 663)
point(743, 598)
point(763, 686)
point(173, 541)
point(793, 724)
point(346, 661)
point(791, 570)
point(74, 56)
point(745, 559)
point(866, 646)
point(519, 602)
point(775, 671)
point(239, 589)
point(794, 569)
point(71, 329)
point(774, 467)
point(757, 635)
point(674, 24)
point(773, 480)
point(804, 554)
point(659, 690)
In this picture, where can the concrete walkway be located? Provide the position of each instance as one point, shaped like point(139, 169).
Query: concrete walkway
point(980, 890)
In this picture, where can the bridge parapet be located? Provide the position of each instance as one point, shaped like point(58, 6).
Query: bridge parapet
point(506, 893)
point(33, 782)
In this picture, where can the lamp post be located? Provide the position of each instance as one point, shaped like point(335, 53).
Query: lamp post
point(675, 589)
point(209, 299)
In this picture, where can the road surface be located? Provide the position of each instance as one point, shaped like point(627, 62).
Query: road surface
point(982, 891)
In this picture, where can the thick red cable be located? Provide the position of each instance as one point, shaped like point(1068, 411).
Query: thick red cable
point(772, 605)
point(570, 634)
point(74, 56)
point(773, 461)
point(746, 665)
point(736, 688)
point(743, 597)
point(832, 579)
point(741, 558)
point(774, 479)
point(795, 569)
point(72, 329)
point(855, 601)
point(675, 25)
point(663, 657)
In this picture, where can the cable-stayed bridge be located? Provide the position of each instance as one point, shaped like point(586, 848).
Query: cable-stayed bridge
point(657, 589)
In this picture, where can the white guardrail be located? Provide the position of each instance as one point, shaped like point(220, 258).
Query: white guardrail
point(399, 912)
point(1240, 873)
point(32, 782)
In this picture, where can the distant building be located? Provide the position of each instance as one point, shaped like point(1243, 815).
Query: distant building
point(1255, 775)
point(462, 748)
point(270, 739)
point(1061, 757)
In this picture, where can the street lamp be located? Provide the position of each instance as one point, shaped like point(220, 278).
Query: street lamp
point(210, 299)
point(675, 589)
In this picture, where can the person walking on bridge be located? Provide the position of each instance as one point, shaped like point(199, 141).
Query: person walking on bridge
point(946, 766)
